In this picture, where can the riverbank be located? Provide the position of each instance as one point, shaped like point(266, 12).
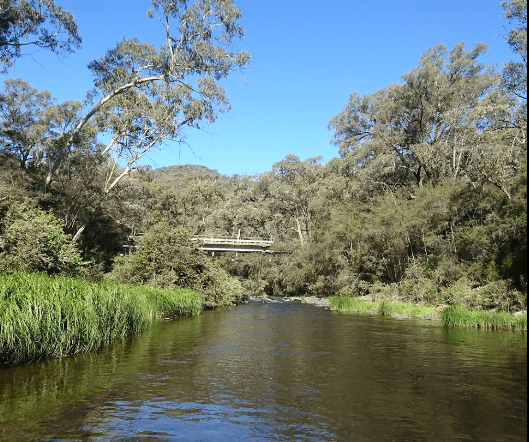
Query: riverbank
point(451, 316)
point(51, 316)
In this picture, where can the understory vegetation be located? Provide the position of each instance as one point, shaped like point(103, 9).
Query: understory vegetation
point(52, 316)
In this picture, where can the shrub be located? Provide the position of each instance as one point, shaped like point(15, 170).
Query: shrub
point(34, 241)
point(166, 258)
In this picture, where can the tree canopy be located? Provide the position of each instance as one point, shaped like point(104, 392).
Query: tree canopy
point(37, 23)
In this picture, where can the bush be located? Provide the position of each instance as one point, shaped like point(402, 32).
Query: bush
point(420, 290)
point(34, 241)
point(166, 258)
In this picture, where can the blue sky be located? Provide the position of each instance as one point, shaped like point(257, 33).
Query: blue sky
point(308, 57)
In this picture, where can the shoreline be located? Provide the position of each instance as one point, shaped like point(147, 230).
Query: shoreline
point(447, 315)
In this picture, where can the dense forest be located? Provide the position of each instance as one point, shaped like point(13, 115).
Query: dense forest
point(426, 201)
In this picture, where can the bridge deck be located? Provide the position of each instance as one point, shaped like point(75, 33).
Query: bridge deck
point(227, 244)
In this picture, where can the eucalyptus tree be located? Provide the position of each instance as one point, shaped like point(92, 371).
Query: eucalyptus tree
point(35, 23)
point(515, 72)
point(437, 124)
point(291, 185)
point(23, 124)
point(146, 94)
point(33, 125)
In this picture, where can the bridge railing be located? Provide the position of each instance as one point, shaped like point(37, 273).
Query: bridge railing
point(215, 243)
point(206, 239)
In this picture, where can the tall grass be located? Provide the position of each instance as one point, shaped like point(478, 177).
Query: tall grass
point(452, 316)
point(47, 316)
point(352, 304)
point(460, 316)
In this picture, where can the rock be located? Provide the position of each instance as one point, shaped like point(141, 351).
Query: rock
point(318, 302)
point(399, 316)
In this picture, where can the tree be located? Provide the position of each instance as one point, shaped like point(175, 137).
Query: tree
point(32, 125)
point(440, 122)
point(142, 91)
point(515, 73)
point(291, 185)
point(37, 23)
point(167, 258)
point(143, 95)
point(23, 125)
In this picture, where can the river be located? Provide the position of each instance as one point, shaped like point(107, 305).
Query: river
point(281, 372)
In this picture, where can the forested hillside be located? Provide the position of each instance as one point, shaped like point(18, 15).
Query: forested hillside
point(426, 200)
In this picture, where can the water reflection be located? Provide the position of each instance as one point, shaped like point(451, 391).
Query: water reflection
point(280, 372)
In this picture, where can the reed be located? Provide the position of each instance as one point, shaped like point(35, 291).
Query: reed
point(452, 316)
point(460, 316)
point(352, 304)
point(50, 316)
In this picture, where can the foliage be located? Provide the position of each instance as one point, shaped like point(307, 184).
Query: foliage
point(426, 203)
point(515, 72)
point(35, 22)
point(34, 241)
point(144, 93)
point(52, 316)
point(167, 258)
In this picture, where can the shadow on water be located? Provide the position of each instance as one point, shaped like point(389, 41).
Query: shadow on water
point(277, 372)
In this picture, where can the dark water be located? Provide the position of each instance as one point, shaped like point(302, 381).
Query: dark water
point(277, 372)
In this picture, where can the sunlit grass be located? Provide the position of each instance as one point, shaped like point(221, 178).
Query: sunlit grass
point(452, 316)
point(459, 316)
point(42, 316)
point(350, 304)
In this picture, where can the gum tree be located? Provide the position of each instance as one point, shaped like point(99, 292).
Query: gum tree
point(445, 120)
point(146, 94)
point(35, 23)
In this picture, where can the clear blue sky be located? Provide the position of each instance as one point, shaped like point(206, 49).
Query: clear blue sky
point(308, 56)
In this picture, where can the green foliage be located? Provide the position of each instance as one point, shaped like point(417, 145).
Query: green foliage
point(515, 72)
point(167, 258)
point(35, 22)
point(427, 202)
point(34, 241)
point(491, 295)
point(52, 316)
point(144, 94)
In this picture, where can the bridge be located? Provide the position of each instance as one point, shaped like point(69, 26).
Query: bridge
point(221, 244)
point(228, 244)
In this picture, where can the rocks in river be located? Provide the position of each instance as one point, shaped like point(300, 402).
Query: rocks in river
point(314, 300)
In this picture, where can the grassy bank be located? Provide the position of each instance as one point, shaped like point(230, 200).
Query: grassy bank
point(459, 316)
point(50, 316)
point(452, 316)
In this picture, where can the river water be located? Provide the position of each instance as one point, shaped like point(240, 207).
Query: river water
point(282, 372)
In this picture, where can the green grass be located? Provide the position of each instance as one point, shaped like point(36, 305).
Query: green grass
point(350, 304)
point(50, 316)
point(452, 316)
point(459, 316)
